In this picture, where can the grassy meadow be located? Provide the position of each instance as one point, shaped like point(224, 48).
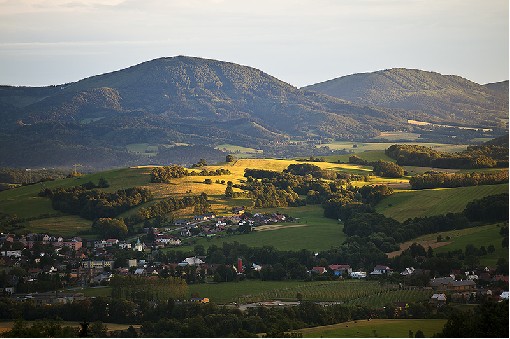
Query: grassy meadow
point(420, 203)
point(484, 235)
point(383, 328)
point(312, 231)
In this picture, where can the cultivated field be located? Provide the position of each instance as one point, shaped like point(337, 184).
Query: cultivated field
point(390, 328)
point(350, 292)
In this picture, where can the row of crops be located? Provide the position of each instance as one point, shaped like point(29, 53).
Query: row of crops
point(350, 292)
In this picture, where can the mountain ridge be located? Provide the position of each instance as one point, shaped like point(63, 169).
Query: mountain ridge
point(438, 98)
point(173, 100)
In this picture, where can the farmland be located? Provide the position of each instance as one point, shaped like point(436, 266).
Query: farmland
point(394, 328)
point(350, 292)
point(410, 204)
point(314, 232)
point(458, 239)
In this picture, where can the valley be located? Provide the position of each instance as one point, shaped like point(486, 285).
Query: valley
point(195, 197)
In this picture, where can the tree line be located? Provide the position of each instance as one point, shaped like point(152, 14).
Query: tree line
point(183, 320)
point(473, 157)
point(382, 168)
point(93, 204)
point(450, 180)
point(166, 173)
point(172, 204)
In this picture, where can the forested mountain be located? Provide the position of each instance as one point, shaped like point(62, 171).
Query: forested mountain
point(196, 104)
point(426, 96)
point(167, 101)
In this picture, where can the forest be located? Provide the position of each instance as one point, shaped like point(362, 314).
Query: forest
point(485, 156)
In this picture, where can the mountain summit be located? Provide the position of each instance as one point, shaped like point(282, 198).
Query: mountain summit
point(432, 96)
point(169, 102)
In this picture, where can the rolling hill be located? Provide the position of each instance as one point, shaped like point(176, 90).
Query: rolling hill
point(183, 106)
point(168, 101)
point(425, 96)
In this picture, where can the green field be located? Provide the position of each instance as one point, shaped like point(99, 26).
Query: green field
point(143, 149)
point(351, 292)
point(239, 151)
point(381, 328)
point(381, 146)
point(458, 239)
point(479, 236)
point(420, 203)
point(368, 155)
point(312, 231)
point(396, 136)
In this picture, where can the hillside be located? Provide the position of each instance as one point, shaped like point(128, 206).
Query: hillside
point(170, 101)
point(425, 96)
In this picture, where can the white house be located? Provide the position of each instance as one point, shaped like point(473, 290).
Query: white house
point(358, 275)
point(380, 269)
point(191, 261)
point(11, 253)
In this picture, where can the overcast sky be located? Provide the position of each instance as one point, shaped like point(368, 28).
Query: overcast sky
point(302, 42)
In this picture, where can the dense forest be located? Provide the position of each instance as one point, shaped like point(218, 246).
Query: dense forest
point(485, 156)
point(92, 204)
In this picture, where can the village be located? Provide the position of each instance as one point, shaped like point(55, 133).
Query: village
point(51, 269)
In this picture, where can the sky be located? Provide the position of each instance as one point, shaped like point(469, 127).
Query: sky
point(302, 42)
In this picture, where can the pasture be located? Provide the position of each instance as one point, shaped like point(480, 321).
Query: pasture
point(420, 203)
point(311, 231)
point(458, 239)
point(359, 147)
point(390, 328)
point(479, 236)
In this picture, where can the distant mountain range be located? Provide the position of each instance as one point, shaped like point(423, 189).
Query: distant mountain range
point(204, 103)
point(430, 96)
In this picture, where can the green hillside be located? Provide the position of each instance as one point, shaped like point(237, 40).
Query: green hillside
point(410, 204)
point(429, 96)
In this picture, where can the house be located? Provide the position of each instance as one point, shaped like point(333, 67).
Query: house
point(124, 245)
point(339, 270)
point(10, 290)
point(97, 264)
point(204, 217)
point(168, 240)
point(11, 253)
point(140, 271)
point(319, 270)
point(181, 222)
point(380, 269)
point(191, 261)
point(111, 242)
point(440, 283)
point(407, 271)
point(132, 263)
point(462, 285)
point(358, 275)
point(438, 299)
point(238, 210)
